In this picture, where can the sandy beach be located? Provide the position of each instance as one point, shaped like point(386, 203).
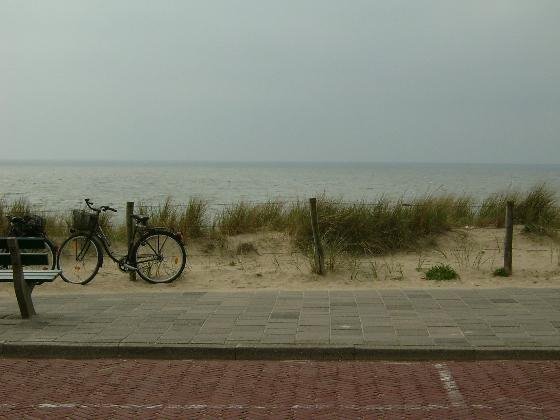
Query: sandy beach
point(271, 262)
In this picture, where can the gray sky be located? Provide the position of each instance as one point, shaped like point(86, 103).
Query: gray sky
point(283, 80)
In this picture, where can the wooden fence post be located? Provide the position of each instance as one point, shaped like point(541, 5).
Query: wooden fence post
point(319, 267)
point(508, 241)
point(129, 232)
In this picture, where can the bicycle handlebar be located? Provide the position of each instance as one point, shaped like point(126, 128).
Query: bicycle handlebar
point(89, 203)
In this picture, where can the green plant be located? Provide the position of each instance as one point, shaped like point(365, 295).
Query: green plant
point(441, 272)
point(245, 248)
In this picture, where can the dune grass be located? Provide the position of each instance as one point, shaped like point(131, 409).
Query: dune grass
point(389, 226)
point(245, 217)
point(190, 219)
point(536, 209)
point(55, 221)
point(356, 228)
point(386, 226)
point(539, 211)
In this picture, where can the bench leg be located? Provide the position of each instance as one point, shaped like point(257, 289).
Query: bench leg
point(23, 295)
point(22, 288)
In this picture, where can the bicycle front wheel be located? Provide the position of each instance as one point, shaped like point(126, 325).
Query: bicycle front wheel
point(159, 257)
point(79, 258)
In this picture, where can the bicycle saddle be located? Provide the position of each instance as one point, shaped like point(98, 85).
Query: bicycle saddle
point(140, 219)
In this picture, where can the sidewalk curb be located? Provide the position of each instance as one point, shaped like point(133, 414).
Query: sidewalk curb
point(260, 352)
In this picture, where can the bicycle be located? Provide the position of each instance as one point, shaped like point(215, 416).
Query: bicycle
point(158, 255)
point(33, 226)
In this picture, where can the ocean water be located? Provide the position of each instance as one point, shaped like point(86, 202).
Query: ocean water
point(64, 185)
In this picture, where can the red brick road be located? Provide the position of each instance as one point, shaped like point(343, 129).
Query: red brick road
point(269, 389)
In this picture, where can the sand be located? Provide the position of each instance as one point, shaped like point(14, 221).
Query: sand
point(274, 264)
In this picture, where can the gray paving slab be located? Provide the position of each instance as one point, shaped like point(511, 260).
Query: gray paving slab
point(476, 322)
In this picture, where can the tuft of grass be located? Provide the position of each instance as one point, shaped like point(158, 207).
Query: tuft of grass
point(191, 219)
point(20, 207)
point(493, 209)
point(56, 225)
point(244, 217)
point(538, 211)
point(192, 222)
point(164, 214)
point(3, 214)
point(500, 272)
point(245, 248)
point(441, 272)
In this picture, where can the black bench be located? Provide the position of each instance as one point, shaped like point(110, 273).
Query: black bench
point(24, 279)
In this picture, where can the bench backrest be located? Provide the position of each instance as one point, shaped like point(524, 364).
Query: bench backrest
point(33, 251)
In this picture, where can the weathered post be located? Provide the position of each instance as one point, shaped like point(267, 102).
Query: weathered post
point(319, 267)
point(129, 232)
point(508, 241)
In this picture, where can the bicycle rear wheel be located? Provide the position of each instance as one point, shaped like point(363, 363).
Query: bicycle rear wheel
point(79, 258)
point(50, 250)
point(159, 257)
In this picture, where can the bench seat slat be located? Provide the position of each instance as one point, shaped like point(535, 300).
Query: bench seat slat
point(26, 259)
point(45, 275)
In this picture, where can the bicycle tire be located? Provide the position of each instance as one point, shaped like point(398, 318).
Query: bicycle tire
point(53, 251)
point(65, 253)
point(143, 251)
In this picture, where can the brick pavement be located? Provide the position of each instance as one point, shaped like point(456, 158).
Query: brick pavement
point(348, 324)
point(112, 388)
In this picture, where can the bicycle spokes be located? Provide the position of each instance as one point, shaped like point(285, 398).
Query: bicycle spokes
point(79, 259)
point(159, 258)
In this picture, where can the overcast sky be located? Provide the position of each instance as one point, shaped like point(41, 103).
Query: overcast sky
point(283, 80)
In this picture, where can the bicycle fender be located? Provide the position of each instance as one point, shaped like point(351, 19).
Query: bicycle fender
point(175, 235)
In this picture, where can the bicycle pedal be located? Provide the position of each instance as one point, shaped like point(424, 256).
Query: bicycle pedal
point(130, 267)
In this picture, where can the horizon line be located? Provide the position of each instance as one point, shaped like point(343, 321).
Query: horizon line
point(171, 161)
point(176, 161)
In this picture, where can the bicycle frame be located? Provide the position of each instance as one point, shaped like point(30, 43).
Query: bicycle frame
point(101, 238)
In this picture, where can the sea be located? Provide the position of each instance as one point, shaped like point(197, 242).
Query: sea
point(56, 186)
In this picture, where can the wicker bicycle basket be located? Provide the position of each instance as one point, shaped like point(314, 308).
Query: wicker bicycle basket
point(83, 220)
